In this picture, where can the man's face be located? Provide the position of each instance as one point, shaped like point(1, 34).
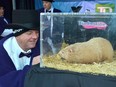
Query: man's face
point(28, 39)
point(47, 5)
point(1, 11)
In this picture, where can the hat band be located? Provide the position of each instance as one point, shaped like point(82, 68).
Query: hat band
point(17, 31)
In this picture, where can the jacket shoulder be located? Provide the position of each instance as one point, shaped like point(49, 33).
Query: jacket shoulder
point(57, 10)
point(41, 10)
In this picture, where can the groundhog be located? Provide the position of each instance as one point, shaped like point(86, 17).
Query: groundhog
point(95, 50)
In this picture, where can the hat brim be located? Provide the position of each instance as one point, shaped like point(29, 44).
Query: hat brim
point(19, 29)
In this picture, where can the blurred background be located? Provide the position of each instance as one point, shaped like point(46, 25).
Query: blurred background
point(63, 5)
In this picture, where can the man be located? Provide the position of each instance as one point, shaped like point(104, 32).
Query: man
point(16, 51)
point(47, 7)
point(52, 34)
point(3, 32)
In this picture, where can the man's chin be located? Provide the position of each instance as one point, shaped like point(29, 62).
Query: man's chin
point(32, 46)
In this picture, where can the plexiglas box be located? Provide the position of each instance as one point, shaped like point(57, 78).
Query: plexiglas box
point(58, 30)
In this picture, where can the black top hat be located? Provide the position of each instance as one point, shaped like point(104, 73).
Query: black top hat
point(24, 20)
point(48, 0)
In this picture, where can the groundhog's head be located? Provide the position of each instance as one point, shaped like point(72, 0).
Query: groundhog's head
point(66, 52)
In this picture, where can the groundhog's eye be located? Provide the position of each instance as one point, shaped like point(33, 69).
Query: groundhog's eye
point(63, 52)
point(62, 58)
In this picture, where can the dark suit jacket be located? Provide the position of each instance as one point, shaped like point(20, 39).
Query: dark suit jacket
point(9, 76)
point(57, 27)
point(2, 26)
point(42, 10)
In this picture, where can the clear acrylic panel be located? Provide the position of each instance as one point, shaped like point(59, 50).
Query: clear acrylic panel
point(69, 28)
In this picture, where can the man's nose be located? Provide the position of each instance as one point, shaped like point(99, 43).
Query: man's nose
point(35, 35)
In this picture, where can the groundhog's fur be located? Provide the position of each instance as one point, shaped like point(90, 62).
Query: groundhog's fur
point(95, 50)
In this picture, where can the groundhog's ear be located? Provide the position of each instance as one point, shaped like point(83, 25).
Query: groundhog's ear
point(70, 50)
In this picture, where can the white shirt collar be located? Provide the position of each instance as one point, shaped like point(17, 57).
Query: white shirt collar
point(13, 50)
